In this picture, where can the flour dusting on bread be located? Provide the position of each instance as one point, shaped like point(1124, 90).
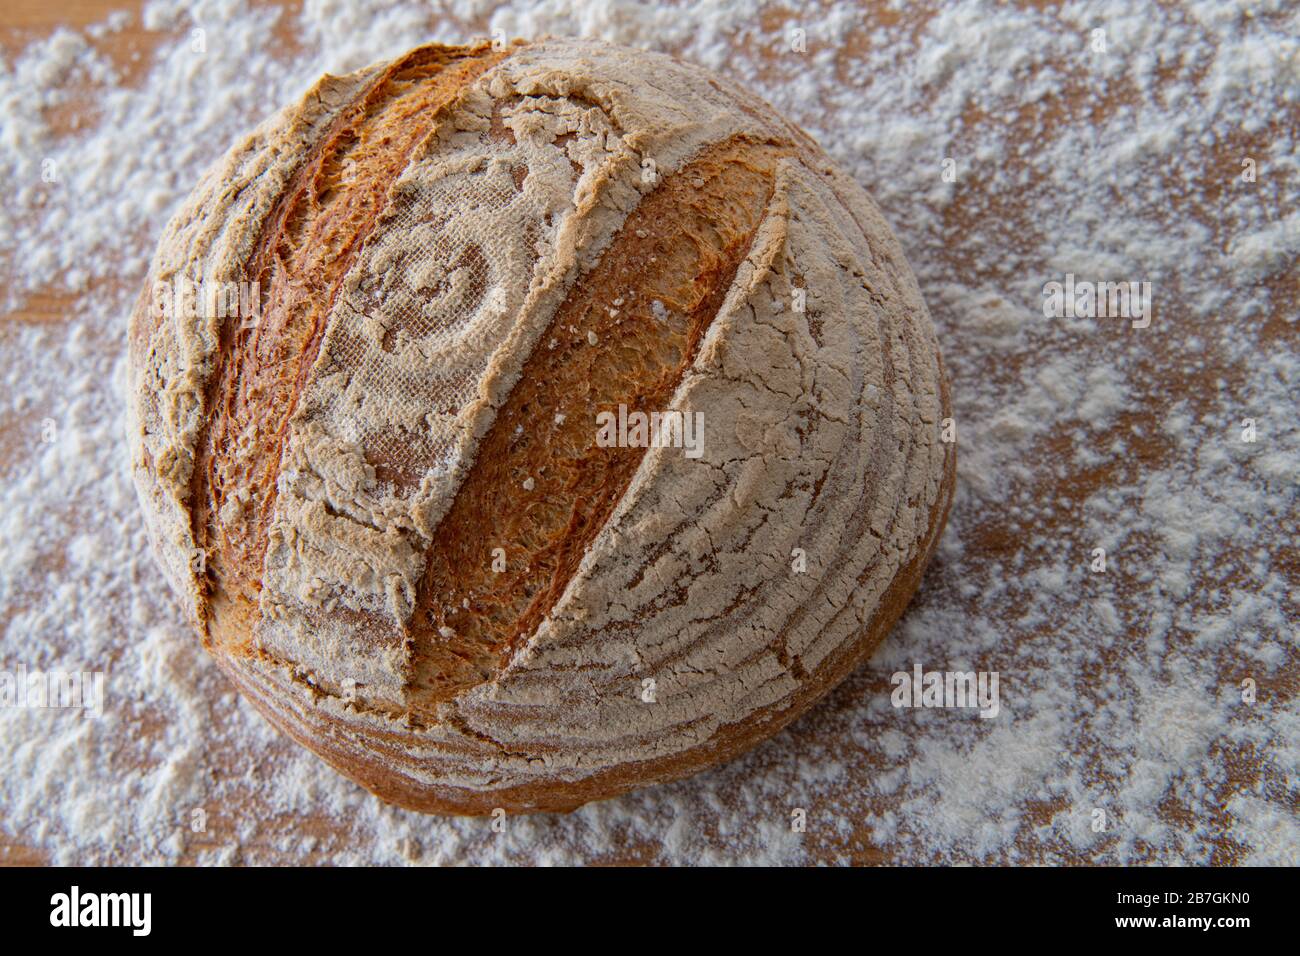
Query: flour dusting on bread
point(434, 575)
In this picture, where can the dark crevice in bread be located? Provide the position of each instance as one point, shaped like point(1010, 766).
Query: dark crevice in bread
point(541, 488)
point(305, 250)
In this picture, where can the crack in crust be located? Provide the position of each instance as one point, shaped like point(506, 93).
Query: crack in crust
point(305, 250)
point(541, 488)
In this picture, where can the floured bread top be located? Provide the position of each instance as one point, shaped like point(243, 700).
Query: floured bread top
point(382, 492)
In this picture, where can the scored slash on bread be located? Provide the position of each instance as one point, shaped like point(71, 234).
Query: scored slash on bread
point(680, 247)
point(382, 499)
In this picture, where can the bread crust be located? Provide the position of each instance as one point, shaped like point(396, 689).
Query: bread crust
point(742, 584)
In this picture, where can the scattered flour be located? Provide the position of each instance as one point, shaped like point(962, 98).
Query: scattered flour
point(1121, 691)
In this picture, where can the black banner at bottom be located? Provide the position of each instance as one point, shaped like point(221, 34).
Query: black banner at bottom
point(342, 905)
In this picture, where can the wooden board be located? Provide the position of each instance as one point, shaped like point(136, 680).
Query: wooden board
point(22, 21)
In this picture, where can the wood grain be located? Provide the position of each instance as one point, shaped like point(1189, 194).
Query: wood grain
point(320, 838)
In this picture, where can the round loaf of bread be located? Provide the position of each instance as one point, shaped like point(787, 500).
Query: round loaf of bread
point(523, 424)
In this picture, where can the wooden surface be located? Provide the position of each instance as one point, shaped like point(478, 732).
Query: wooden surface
point(24, 20)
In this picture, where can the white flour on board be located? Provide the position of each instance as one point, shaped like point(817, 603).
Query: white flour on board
point(1121, 692)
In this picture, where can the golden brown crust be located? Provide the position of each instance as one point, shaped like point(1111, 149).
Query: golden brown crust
point(541, 487)
point(174, 356)
point(305, 249)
